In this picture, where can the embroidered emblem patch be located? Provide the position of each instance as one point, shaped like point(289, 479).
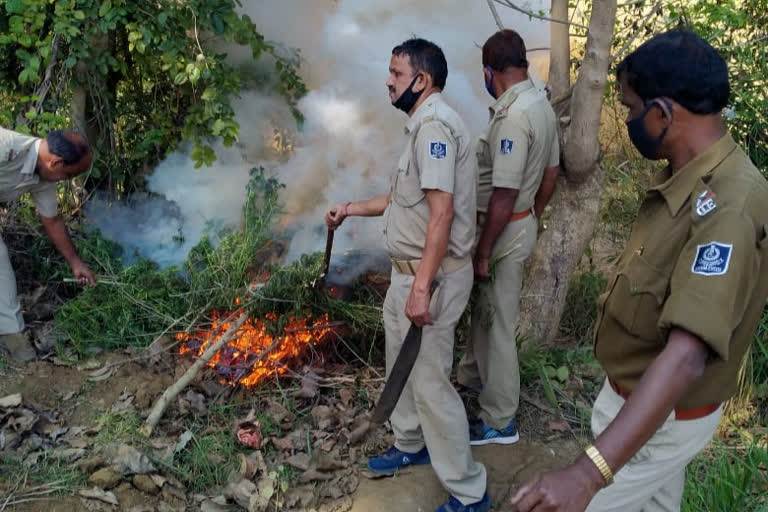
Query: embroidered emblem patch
point(712, 259)
point(506, 146)
point(705, 203)
point(437, 149)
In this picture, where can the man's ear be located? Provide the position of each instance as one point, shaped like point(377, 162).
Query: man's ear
point(56, 163)
point(422, 82)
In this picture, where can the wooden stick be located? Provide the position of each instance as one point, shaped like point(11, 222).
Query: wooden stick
point(173, 391)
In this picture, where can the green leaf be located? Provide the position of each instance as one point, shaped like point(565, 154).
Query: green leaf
point(180, 78)
point(562, 373)
point(217, 23)
point(79, 15)
point(208, 94)
point(105, 8)
point(15, 7)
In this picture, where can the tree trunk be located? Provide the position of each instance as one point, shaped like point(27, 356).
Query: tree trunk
point(577, 201)
point(559, 81)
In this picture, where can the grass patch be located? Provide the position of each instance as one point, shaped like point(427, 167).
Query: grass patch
point(725, 479)
point(580, 311)
point(208, 460)
point(122, 428)
point(45, 470)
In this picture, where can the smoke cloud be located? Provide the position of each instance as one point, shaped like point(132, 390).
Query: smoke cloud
point(351, 136)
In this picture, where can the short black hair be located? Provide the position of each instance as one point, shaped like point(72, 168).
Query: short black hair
point(679, 65)
point(68, 145)
point(425, 57)
point(504, 49)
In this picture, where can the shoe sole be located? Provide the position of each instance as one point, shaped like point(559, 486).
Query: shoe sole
point(496, 440)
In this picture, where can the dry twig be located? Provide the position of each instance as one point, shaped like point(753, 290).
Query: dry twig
point(173, 391)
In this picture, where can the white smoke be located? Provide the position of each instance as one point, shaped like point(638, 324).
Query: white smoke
point(351, 136)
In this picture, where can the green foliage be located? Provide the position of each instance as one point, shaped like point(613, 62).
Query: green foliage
point(147, 300)
point(580, 310)
point(149, 74)
point(727, 479)
point(737, 29)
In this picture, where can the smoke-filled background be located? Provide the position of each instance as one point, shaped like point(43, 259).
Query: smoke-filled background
point(351, 136)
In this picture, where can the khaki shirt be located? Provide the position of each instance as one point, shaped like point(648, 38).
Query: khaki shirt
point(697, 259)
point(520, 143)
point(18, 160)
point(437, 156)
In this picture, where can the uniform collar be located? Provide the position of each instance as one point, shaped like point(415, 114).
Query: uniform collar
point(30, 164)
point(677, 188)
point(421, 112)
point(509, 96)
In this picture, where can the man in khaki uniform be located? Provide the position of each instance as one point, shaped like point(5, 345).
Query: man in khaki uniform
point(30, 164)
point(429, 229)
point(518, 165)
point(690, 288)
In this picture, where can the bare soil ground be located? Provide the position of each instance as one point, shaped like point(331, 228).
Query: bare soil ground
point(80, 402)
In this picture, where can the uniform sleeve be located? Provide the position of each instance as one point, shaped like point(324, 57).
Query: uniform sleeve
point(509, 151)
point(435, 152)
point(554, 156)
point(46, 201)
point(713, 279)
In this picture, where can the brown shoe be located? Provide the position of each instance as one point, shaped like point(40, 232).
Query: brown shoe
point(18, 347)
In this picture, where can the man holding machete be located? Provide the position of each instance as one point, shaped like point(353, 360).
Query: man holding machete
point(429, 230)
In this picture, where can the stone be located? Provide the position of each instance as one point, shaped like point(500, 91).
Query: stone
point(105, 478)
point(144, 483)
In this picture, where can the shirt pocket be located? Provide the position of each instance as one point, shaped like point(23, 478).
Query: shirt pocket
point(638, 297)
point(407, 191)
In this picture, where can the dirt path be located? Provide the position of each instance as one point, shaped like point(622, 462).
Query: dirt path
point(508, 467)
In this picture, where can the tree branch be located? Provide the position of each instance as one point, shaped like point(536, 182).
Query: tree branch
point(495, 14)
point(530, 13)
point(172, 392)
point(620, 54)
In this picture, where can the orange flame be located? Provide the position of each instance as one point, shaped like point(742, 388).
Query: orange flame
point(237, 362)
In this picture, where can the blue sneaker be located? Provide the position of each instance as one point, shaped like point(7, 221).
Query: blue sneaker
point(455, 505)
point(395, 459)
point(480, 434)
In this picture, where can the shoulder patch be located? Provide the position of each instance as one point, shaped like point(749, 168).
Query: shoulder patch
point(712, 259)
point(705, 203)
point(437, 149)
point(506, 146)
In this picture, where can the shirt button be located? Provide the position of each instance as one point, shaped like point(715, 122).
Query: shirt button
point(633, 290)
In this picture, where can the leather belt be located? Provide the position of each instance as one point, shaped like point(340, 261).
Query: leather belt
point(482, 217)
point(409, 267)
point(680, 414)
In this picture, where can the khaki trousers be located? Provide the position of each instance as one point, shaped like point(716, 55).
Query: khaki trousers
point(11, 320)
point(491, 358)
point(430, 411)
point(652, 481)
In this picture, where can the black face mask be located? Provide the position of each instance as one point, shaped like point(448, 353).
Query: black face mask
point(647, 145)
point(408, 99)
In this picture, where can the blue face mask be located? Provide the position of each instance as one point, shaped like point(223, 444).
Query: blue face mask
point(489, 83)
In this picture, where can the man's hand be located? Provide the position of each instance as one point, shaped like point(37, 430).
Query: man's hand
point(482, 267)
point(83, 273)
point(417, 307)
point(567, 490)
point(336, 216)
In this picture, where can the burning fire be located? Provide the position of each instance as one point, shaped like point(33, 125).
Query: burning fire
point(238, 361)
